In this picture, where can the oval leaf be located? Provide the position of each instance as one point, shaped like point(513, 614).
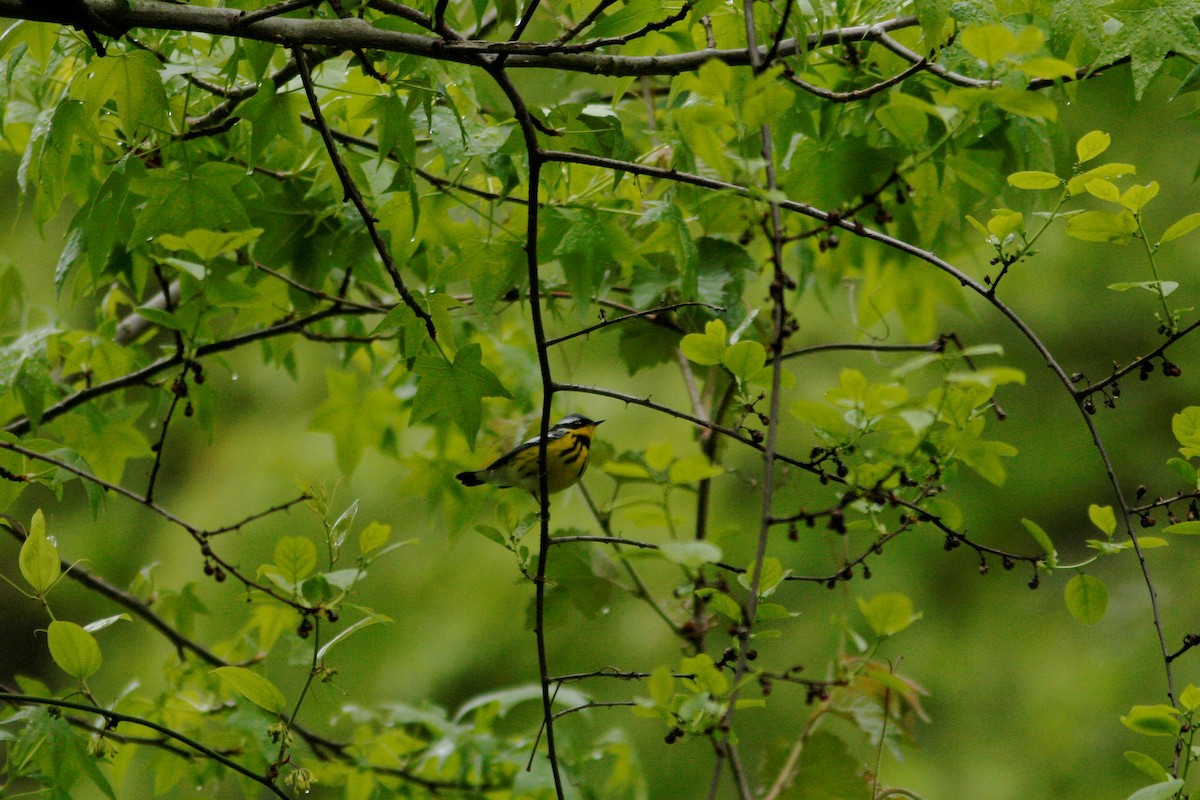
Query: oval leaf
point(1157, 720)
point(1034, 179)
point(1042, 539)
point(1184, 528)
point(39, 561)
point(73, 649)
point(295, 556)
point(1158, 791)
point(1147, 765)
point(253, 687)
point(889, 613)
point(1103, 518)
point(1182, 227)
point(1087, 599)
point(1102, 226)
point(1091, 145)
point(692, 554)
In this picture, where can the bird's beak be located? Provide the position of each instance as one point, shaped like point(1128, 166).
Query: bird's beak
point(597, 422)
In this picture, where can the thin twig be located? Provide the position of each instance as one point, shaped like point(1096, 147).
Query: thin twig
point(355, 196)
point(115, 717)
point(635, 315)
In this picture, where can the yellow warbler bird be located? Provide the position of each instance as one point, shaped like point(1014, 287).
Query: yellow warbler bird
point(568, 445)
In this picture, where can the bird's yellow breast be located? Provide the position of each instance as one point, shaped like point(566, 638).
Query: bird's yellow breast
point(566, 459)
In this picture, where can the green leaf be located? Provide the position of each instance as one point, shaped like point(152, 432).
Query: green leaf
point(1137, 196)
point(455, 390)
point(631, 17)
point(357, 416)
point(1114, 170)
point(693, 554)
point(1035, 180)
point(1184, 470)
point(991, 44)
point(296, 557)
point(693, 469)
point(163, 319)
point(253, 687)
point(1158, 791)
point(39, 561)
point(626, 469)
point(889, 613)
point(1184, 528)
point(722, 603)
point(1104, 189)
point(273, 115)
point(1102, 226)
point(1087, 599)
point(770, 577)
point(73, 649)
point(343, 634)
point(373, 537)
point(1181, 227)
point(1148, 766)
point(1163, 287)
point(209, 245)
point(661, 685)
point(1005, 221)
point(1156, 720)
point(708, 348)
point(1042, 539)
point(1047, 68)
point(184, 201)
point(1189, 698)
point(744, 359)
point(1103, 518)
point(1091, 144)
point(1186, 427)
point(132, 81)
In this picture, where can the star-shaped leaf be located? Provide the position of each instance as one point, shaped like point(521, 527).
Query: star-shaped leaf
point(455, 390)
point(356, 416)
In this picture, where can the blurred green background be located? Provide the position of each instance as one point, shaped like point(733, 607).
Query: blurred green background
point(1024, 701)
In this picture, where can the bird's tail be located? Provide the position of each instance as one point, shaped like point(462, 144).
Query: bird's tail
point(469, 479)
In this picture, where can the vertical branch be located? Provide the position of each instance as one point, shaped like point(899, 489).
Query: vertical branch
point(779, 333)
point(536, 160)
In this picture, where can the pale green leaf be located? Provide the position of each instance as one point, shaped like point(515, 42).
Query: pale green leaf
point(1158, 791)
point(73, 649)
point(693, 554)
point(1181, 227)
point(1156, 720)
point(1147, 765)
point(991, 44)
point(744, 359)
point(1043, 539)
point(1102, 226)
point(252, 686)
point(374, 536)
point(39, 561)
point(1091, 144)
point(295, 557)
point(1034, 180)
point(1087, 598)
point(889, 613)
point(1103, 518)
